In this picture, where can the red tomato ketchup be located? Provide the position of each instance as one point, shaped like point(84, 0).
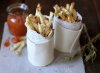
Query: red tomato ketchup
point(16, 20)
point(6, 43)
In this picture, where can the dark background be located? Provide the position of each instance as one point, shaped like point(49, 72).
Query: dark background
point(89, 9)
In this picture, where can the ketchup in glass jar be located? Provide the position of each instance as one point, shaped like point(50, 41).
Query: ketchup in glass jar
point(16, 19)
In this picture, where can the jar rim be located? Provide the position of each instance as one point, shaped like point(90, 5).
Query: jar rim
point(22, 6)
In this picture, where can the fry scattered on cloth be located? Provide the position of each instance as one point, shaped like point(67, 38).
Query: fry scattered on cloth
point(16, 44)
point(17, 47)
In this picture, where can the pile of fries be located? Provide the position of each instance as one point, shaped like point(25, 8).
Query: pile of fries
point(40, 23)
point(67, 13)
point(17, 47)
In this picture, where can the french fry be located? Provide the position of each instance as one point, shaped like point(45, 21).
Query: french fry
point(43, 26)
point(47, 31)
point(69, 19)
point(61, 14)
point(50, 16)
point(14, 46)
point(35, 27)
point(72, 19)
point(43, 29)
point(74, 14)
point(19, 50)
point(28, 23)
point(50, 19)
point(50, 33)
point(67, 7)
point(39, 14)
point(57, 9)
point(39, 7)
point(30, 15)
point(27, 18)
point(71, 7)
point(35, 19)
point(41, 18)
point(66, 11)
point(40, 29)
point(66, 19)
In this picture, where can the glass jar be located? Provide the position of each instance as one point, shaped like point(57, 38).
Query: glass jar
point(16, 18)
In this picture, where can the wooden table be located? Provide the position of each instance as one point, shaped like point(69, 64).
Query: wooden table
point(89, 9)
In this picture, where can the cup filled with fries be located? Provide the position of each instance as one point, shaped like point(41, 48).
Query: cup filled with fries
point(68, 26)
point(40, 38)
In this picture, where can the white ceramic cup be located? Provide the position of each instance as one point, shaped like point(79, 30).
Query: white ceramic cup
point(40, 50)
point(67, 34)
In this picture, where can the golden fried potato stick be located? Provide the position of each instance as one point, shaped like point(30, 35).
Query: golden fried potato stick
point(35, 27)
point(71, 7)
point(67, 6)
point(57, 9)
point(39, 7)
point(69, 19)
point(50, 33)
point(40, 29)
point(14, 46)
point(50, 20)
point(51, 17)
point(74, 14)
point(39, 14)
point(41, 18)
point(19, 50)
point(28, 23)
point(61, 14)
point(43, 29)
point(65, 11)
point(47, 31)
point(30, 15)
point(35, 19)
point(31, 22)
point(29, 18)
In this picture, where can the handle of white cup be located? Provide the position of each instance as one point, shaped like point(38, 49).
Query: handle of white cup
point(77, 36)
